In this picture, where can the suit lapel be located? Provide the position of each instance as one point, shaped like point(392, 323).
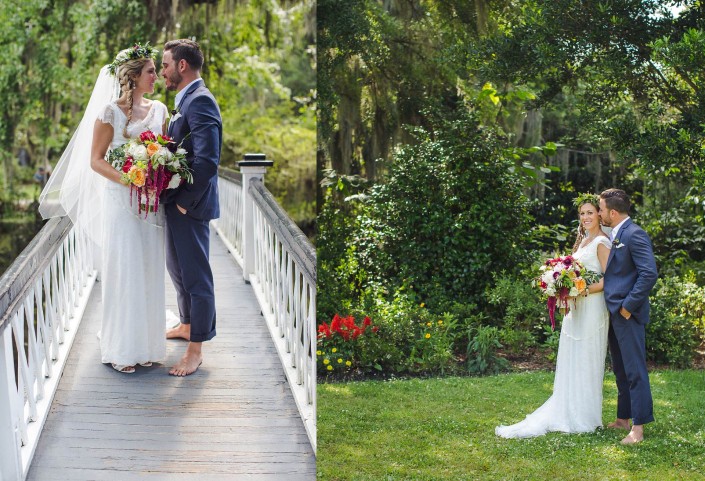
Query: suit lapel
point(622, 231)
point(190, 90)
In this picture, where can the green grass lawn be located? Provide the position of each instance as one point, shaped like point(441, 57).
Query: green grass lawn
point(443, 429)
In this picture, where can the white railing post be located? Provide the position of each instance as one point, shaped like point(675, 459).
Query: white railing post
point(254, 166)
point(10, 459)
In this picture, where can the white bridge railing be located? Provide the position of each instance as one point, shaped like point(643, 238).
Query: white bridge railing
point(44, 293)
point(279, 262)
point(42, 298)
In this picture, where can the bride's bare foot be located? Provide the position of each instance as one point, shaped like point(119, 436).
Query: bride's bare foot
point(619, 424)
point(190, 361)
point(182, 331)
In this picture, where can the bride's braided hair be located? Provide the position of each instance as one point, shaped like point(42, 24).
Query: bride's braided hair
point(127, 74)
point(578, 202)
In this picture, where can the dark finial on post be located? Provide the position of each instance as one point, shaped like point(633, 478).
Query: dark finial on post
point(255, 160)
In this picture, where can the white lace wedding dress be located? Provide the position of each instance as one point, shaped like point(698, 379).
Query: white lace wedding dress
point(132, 270)
point(576, 403)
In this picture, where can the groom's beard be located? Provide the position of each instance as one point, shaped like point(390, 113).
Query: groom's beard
point(173, 81)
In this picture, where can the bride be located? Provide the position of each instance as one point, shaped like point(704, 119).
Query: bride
point(576, 403)
point(87, 188)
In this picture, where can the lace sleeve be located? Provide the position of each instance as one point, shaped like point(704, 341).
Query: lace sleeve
point(163, 113)
point(605, 241)
point(107, 114)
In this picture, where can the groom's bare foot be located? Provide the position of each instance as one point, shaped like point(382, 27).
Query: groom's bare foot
point(636, 435)
point(619, 424)
point(190, 361)
point(182, 331)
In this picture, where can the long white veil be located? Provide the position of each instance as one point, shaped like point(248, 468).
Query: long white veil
point(74, 189)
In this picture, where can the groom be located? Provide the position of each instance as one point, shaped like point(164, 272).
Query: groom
point(629, 277)
point(195, 121)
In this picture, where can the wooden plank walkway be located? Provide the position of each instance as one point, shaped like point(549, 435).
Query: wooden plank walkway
point(235, 419)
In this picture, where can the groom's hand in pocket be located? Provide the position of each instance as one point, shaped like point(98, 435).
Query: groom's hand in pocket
point(181, 209)
point(625, 313)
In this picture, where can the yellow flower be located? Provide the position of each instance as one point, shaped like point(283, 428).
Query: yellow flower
point(440, 323)
point(340, 361)
point(326, 361)
point(348, 363)
point(330, 368)
point(335, 349)
point(428, 324)
point(428, 335)
point(318, 353)
point(137, 176)
point(422, 305)
point(153, 149)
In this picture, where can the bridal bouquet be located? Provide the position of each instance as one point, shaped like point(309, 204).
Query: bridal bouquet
point(150, 164)
point(563, 277)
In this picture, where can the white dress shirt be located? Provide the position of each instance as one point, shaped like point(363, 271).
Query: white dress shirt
point(613, 234)
point(182, 92)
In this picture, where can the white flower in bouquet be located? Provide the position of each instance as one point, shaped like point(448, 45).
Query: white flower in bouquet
point(181, 151)
point(138, 152)
point(174, 182)
point(547, 277)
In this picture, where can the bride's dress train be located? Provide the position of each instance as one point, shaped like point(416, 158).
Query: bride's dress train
point(576, 403)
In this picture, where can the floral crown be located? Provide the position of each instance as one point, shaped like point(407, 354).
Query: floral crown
point(132, 53)
point(586, 198)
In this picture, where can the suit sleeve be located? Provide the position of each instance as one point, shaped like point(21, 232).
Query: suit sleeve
point(643, 258)
point(205, 124)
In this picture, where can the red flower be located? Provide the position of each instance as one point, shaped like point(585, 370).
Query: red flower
point(324, 330)
point(127, 165)
point(148, 135)
point(366, 321)
point(335, 324)
point(349, 322)
point(375, 329)
point(167, 178)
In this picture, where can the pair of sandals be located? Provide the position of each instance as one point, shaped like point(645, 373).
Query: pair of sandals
point(129, 369)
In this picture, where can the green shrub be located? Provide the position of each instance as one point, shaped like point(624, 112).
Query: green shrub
point(482, 351)
point(432, 345)
point(450, 213)
point(551, 341)
point(517, 309)
point(675, 330)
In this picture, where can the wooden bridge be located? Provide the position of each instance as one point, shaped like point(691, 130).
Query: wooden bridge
point(247, 413)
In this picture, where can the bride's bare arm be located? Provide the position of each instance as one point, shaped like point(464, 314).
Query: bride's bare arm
point(102, 136)
point(603, 254)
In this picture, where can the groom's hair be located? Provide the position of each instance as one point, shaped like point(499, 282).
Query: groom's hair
point(616, 199)
point(185, 49)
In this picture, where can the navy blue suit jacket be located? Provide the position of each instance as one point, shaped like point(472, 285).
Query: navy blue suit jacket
point(630, 273)
point(199, 117)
